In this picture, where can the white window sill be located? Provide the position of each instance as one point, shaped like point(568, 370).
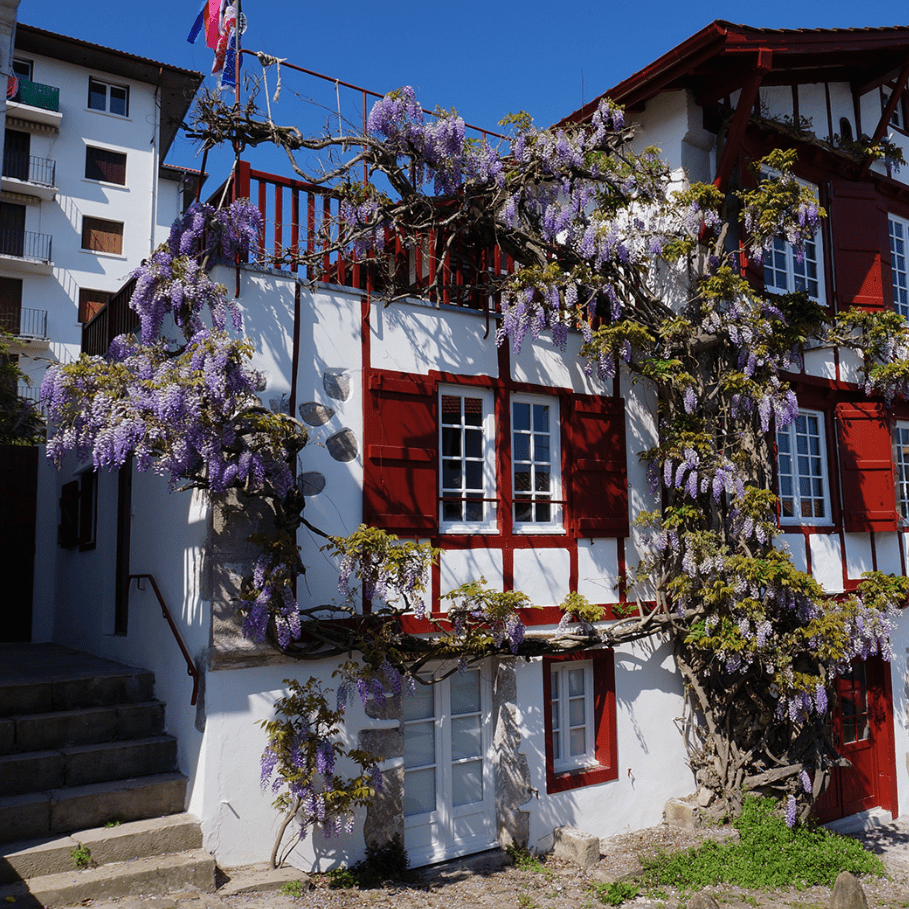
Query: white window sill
point(121, 186)
point(107, 113)
point(106, 255)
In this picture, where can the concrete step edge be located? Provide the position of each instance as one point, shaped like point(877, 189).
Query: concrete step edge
point(123, 842)
point(152, 876)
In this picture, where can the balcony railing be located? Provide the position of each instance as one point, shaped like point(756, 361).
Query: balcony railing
point(30, 393)
point(114, 318)
point(30, 168)
point(24, 323)
point(25, 244)
point(37, 94)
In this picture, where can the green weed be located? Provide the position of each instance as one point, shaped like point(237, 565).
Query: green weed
point(525, 902)
point(616, 893)
point(525, 860)
point(767, 855)
point(341, 878)
point(293, 889)
point(81, 857)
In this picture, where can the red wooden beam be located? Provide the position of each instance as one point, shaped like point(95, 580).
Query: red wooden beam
point(895, 96)
point(763, 65)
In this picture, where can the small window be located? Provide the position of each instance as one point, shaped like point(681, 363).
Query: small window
point(580, 720)
point(802, 467)
point(99, 235)
point(79, 513)
point(901, 459)
point(111, 98)
point(899, 237)
point(845, 130)
point(106, 166)
point(91, 302)
point(896, 118)
point(22, 68)
point(536, 462)
point(467, 474)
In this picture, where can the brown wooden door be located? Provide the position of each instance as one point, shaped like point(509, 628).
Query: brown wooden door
point(18, 495)
point(860, 725)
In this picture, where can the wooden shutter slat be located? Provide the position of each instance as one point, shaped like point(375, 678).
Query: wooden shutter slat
point(597, 466)
point(869, 494)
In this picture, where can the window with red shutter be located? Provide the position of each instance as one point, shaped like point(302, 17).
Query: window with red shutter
point(400, 478)
point(597, 469)
point(866, 460)
point(860, 235)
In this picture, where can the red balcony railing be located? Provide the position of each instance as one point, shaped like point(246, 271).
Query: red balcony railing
point(114, 318)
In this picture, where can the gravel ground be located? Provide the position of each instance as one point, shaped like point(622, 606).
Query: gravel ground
point(489, 882)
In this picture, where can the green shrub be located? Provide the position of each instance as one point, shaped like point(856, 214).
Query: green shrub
point(341, 878)
point(616, 893)
point(293, 889)
point(768, 854)
point(81, 856)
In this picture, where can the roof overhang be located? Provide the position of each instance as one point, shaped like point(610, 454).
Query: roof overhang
point(720, 59)
point(178, 86)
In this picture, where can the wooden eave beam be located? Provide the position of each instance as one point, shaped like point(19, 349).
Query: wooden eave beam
point(895, 96)
point(763, 65)
point(877, 81)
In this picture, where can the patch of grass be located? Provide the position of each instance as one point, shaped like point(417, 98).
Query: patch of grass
point(616, 893)
point(525, 860)
point(81, 857)
point(767, 855)
point(114, 822)
point(293, 889)
point(525, 902)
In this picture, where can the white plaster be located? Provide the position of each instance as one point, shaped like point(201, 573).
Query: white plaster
point(827, 561)
point(543, 574)
point(415, 338)
point(776, 101)
point(598, 570)
point(841, 106)
point(850, 366)
point(887, 550)
point(858, 554)
point(542, 362)
point(641, 435)
point(795, 543)
point(813, 105)
point(899, 679)
point(820, 363)
point(651, 752)
point(458, 566)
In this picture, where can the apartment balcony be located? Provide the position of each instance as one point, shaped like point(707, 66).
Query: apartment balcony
point(30, 176)
point(25, 252)
point(37, 103)
point(30, 393)
point(27, 326)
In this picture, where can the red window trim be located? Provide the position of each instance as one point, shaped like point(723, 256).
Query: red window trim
point(604, 719)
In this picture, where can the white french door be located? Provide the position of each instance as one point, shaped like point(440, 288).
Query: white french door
point(449, 809)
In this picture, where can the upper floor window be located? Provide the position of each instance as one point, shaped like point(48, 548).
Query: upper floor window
point(802, 467)
point(22, 68)
point(106, 166)
point(111, 98)
point(896, 118)
point(899, 236)
point(535, 461)
point(99, 235)
point(467, 474)
point(783, 272)
point(901, 444)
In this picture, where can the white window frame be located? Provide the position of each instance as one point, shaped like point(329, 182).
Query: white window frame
point(901, 463)
point(107, 87)
point(554, 494)
point(791, 434)
point(898, 229)
point(24, 64)
point(489, 492)
point(561, 716)
point(783, 259)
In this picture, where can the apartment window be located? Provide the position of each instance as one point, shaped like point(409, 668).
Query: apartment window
point(99, 235)
point(802, 468)
point(91, 302)
point(22, 68)
point(783, 272)
point(535, 460)
point(580, 720)
point(467, 472)
point(899, 234)
point(901, 445)
point(111, 98)
point(106, 166)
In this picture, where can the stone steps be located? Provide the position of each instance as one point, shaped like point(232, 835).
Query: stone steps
point(149, 857)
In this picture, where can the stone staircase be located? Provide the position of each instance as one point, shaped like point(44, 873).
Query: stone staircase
point(82, 746)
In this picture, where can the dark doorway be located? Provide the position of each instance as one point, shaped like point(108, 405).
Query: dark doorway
point(18, 495)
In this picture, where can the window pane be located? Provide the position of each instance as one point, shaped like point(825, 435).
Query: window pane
point(419, 792)
point(451, 474)
point(451, 410)
point(521, 450)
point(473, 443)
point(465, 693)
point(575, 682)
point(119, 100)
point(97, 95)
point(451, 442)
point(419, 705)
point(578, 742)
point(466, 737)
point(576, 712)
point(522, 481)
point(474, 475)
point(420, 744)
point(541, 417)
point(543, 513)
point(473, 411)
point(520, 416)
point(523, 511)
point(467, 783)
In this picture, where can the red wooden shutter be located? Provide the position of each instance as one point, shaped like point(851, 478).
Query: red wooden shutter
point(597, 469)
point(400, 476)
point(861, 246)
point(866, 460)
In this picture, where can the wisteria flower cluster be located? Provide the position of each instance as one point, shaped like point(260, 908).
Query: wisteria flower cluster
point(299, 762)
point(480, 616)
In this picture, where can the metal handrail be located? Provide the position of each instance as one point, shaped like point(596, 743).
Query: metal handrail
point(190, 666)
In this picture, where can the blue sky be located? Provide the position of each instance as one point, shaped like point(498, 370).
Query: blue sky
point(485, 57)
